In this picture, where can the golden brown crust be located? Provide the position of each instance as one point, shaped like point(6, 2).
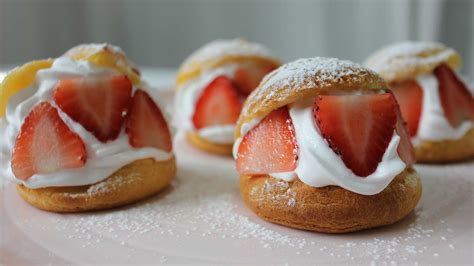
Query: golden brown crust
point(196, 140)
point(131, 183)
point(406, 60)
point(446, 150)
point(222, 52)
point(194, 70)
point(306, 78)
point(330, 209)
point(106, 55)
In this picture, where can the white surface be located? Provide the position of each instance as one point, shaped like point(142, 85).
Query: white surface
point(201, 219)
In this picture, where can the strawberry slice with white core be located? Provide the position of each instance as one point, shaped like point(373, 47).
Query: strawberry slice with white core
point(270, 147)
point(457, 101)
point(357, 127)
point(247, 79)
point(45, 144)
point(99, 104)
point(219, 104)
point(145, 124)
point(409, 96)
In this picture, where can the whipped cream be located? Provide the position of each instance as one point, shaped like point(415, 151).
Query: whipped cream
point(103, 159)
point(185, 105)
point(318, 165)
point(433, 123)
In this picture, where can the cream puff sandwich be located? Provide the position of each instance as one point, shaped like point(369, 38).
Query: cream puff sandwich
point(321, 146)
point(211, 86)
point(436, 103)
point(83, 132)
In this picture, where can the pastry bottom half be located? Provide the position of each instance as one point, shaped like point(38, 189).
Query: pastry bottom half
point(133, 182)
point(447, 150)
point(207, 146)
point(330, 209)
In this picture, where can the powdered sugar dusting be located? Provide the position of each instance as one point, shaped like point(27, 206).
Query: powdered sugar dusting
point(321, 70)
point(220, 48)
point(96, 47)
point(308, 76)
point(407, 54)
point(285, 192)
point(107, 186)
point(202, 219)
point(111, 184)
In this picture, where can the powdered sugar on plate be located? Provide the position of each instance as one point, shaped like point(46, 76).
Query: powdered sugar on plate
point(201, 219)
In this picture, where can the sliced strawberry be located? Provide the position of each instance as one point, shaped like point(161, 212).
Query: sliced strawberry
point(357, 127)
point(97, 103)
point(45, 144)
point(248, 79)
point(405, 148)
point(409, 96)
point(219, 104)
point(270, 147)
point(145, 124)
point(457, 101)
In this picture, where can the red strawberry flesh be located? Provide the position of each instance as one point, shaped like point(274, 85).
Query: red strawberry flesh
point(45, 144)
point(219, 104)
point(270, 147)
point(409, 96)
point(456, 100)
point(405, 148)
point(97, 103)
point(145, 124)
point(247, 79)
point(357, 127)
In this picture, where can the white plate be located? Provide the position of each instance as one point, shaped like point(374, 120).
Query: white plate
point(201, 219)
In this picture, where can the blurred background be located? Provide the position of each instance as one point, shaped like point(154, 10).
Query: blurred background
point(162, 33)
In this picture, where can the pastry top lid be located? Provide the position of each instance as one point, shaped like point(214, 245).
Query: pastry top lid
point(106, 55)
point(220, 48)
point(408, 59)
point(221, 52)
point(306, 78)
point(81, 50)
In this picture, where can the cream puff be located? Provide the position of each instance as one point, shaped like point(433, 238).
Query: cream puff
point(83, 132)
point(211, 86)
point(436, 103)
point(321, 146)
